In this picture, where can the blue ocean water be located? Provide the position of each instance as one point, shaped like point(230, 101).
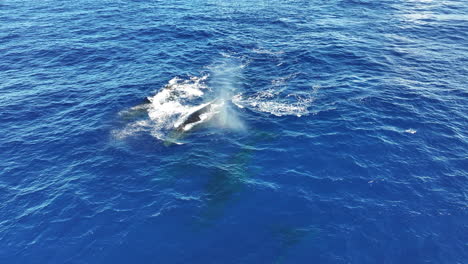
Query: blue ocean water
point(342, 139)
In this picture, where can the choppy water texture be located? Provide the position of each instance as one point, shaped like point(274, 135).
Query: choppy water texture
point(342, 137)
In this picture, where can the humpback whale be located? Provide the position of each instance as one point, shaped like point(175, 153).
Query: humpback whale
point(201, 113)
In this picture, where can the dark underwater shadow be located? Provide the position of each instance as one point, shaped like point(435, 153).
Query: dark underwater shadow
point(229, 179)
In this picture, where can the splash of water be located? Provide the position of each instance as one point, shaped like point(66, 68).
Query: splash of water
point(165, 113)
point(165, 109)
point(226, 80)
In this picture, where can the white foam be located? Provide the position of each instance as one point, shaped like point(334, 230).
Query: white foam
point(274, 101)
point(173, 102)
point(271, 101)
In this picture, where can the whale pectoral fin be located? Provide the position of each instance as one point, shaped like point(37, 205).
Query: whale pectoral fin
point(146, 101)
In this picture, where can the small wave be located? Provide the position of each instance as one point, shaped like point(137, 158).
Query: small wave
point(243, 59)
point(268, 52)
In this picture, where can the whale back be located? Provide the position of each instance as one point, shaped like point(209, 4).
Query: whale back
point(194, 117)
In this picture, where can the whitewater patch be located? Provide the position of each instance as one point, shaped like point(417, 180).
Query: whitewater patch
point(274, 102)
point(166, 109)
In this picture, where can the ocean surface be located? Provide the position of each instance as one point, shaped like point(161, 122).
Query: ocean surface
point(337, 131)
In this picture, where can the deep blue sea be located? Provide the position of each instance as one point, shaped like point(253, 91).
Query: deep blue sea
point(337, 131)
